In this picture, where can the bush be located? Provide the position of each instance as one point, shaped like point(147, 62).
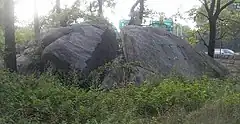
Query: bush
point(26, 99)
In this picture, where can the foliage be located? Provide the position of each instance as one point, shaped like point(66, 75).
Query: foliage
point(68, 14)
point(227, 24)
point(190, 35)
point(24, 34)
point(76, 13)
point(26, 99)
point(92, 6)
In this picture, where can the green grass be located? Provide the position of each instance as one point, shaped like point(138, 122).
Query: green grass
point(174, 100)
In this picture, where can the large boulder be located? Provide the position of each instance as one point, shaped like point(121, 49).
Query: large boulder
point(80, 47)
point(162, 53)
point(85, 48)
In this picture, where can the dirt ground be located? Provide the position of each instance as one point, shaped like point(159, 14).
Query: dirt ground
point(232, 64)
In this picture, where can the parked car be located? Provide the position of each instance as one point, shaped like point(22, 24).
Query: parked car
point(223, 52)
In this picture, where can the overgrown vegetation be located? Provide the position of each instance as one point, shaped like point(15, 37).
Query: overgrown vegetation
point(26, 99)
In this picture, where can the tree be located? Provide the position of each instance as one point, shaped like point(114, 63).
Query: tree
point(10, 49)
point(58, 8)
point(96, 7)
point(1, 12)
point(213, 9)
point(100, 8)
point(141, 2)
point(62, 21)
point(137, 16)
point(68, 15)
point(227, 31)
point(36, 23)
point(75, 13)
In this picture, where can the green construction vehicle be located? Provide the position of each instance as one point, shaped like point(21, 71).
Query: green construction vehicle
point(123, 23)
point(166, 24)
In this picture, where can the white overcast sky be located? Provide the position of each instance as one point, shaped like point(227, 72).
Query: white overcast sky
point(24, 8)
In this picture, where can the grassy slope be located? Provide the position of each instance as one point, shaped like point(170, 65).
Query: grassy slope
point(174, 100)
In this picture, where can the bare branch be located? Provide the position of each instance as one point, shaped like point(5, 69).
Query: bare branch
point(223, 7)
point(132, 12)
point(134, 6)
point(204, 2)
point(229, 19)
point(201, 13)
point(212, 6)
point(221, 19)
point(218, 5)
point(204, 42)
point(141, 9)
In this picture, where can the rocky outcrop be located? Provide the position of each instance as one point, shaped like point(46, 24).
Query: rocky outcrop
point(162, 53)
point(146, 51)
point(81, 47)
point(84, 49)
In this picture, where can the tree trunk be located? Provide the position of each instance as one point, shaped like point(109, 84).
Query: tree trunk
point(1, 13)
point(100, 9)
point(212, 34)
point(91, 8)
point(62, 21)
point(58, 9)
point(36, 23)
point(133, 14)
point(141, 10)
point(10, 49)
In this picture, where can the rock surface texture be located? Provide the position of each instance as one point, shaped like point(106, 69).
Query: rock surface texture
point(80, 47)
point(160, 52)
point(85, 47)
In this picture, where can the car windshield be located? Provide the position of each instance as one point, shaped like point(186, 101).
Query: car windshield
point(228, 51)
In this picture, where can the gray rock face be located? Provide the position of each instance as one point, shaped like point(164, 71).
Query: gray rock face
point(162, 53)
point(81, 47)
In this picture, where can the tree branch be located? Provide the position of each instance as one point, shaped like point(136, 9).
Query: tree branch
point(141, 10)
point(134, 6)
point(204, 42)
point(218, 5)
point(204, 2)
point(201, 13)
point(232, 33)
point(132, 21)
point(212, 7)
point(229, 19)
point(221, 36)
point(223, 7)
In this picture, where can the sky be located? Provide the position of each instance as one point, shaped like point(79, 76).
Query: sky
point(24, 9)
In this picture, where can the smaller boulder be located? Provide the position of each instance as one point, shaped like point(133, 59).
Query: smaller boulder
point(84, 49)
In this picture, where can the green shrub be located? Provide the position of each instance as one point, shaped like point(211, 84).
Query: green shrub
point(26, 99)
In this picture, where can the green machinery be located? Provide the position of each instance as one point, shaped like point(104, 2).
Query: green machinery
point(166, 24)
point(123, 23)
